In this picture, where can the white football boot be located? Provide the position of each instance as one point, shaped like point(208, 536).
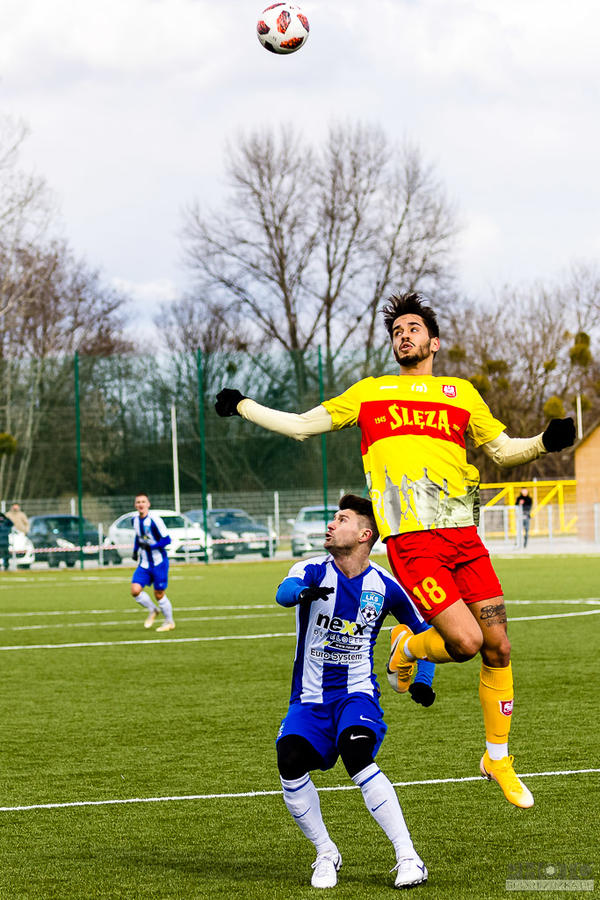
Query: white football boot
point(410, 871)
point(326, 866)
point(150, 618)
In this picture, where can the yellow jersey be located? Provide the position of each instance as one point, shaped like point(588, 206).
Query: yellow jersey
point(414, 447)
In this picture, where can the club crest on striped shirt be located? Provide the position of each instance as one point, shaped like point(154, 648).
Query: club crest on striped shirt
point(371, 604)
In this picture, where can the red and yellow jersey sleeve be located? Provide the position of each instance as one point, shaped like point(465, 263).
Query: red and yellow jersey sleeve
point(414, 447)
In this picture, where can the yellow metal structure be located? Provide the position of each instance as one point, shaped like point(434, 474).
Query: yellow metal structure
point(560, 495)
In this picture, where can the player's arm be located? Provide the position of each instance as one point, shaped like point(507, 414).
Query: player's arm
point(160, 534)
point(293, 591)
point(507, 452)
point(298, 426)
point(160, 544)
point(332, 415)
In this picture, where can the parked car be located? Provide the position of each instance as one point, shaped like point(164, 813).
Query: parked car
point(21, 549)
point(223, 547)
point(309, 529)
point(187, 537)
point(56, 539)
point(235, 532)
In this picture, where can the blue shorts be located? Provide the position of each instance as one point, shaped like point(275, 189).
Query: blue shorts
point(322, 723)
point(158, 576)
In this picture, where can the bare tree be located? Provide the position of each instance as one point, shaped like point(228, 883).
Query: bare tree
point(67, 308)
point(530, 352)
point(25, 212)
point(309, 240)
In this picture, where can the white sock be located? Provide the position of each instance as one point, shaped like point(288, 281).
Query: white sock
point(383, 804)
point(166, 608)
point(302, 800)
point(406, 651)
point(496, 751)
point(145, 600)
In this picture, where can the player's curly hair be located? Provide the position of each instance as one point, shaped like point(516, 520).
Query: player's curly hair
point(362, 506)
point(405, 305)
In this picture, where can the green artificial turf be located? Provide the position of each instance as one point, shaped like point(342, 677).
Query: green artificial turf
point(171, 717)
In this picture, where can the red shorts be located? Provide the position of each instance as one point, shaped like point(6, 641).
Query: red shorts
point(441, 566)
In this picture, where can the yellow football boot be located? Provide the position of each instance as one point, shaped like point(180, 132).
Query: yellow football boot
point(399, 667)
point(502, 772)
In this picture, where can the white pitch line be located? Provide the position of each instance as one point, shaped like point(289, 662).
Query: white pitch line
point(229, 618)
point(275, 793)
point(587, 601)
point(583, 601)
point(46, 581)
point(589, 612)
point(241, 637)
point(127, 612)
point(154, 642)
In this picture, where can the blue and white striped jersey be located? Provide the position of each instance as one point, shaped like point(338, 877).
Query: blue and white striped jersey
point(151, 538)
point(335, 637)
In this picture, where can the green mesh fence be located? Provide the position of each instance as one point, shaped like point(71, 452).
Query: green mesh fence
point(126, 442)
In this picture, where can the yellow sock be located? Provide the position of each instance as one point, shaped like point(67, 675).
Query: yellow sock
point(496, 698)
point(429, 645)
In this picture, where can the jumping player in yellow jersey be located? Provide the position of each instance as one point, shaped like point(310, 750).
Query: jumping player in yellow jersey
point(414, 427)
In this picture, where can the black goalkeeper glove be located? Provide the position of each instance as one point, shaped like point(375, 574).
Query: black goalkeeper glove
point(559, 434)
point(421, 693)
point(227, 401)
point(134, 556)
point(309, 595)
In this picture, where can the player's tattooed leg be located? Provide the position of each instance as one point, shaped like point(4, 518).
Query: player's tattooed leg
point(493, 615)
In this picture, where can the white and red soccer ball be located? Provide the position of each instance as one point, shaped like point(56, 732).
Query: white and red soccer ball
point(282, 28)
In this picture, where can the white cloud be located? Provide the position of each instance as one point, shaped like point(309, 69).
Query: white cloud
point(130, 104)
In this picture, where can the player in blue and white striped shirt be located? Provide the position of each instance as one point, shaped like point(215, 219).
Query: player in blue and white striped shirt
point(341, 600)
point(151, 540)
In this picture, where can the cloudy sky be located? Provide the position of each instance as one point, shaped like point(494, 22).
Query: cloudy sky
point(130, 103)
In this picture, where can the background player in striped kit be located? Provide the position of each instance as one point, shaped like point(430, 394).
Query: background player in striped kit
point(341, 600)
point(151, 539)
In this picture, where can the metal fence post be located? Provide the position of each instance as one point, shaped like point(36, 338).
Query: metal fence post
point(202, 430)
point(276, 512)
point(78, 441)
point(481, 526)
point(323, 444)
point(519, 525)
point(270, 528)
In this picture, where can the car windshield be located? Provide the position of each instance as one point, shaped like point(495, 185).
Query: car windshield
point(231, 518)
point(175, 522)
point(67, 525)
point(316, 515)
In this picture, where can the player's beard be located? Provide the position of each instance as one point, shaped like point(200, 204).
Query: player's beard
point(408, 362)
point(339, 549)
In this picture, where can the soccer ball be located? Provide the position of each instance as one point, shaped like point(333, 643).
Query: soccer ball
point(282, 28)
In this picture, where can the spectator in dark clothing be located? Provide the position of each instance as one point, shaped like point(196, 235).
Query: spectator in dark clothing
point(524, 501)
point(5, 529)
